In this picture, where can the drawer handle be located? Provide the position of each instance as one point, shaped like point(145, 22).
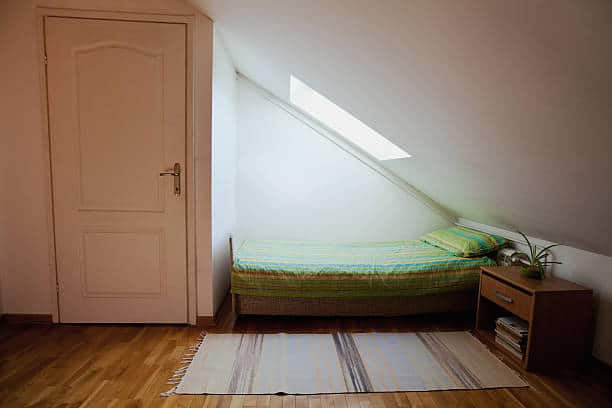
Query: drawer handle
point(504, 298)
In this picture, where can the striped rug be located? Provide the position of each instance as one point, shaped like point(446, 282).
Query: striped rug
point(341, 362)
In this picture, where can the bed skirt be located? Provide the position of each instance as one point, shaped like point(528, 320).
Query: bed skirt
point(364, 306)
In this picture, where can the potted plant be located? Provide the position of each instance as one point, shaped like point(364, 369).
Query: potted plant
point(537, 260)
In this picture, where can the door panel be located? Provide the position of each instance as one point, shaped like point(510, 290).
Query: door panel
point(107, 255)
point(128, 87)
point(116, 92)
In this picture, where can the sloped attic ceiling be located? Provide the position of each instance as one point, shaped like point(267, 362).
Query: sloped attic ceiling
point(506, 107)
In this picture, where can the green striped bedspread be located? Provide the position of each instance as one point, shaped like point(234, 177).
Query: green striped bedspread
point(358, 269)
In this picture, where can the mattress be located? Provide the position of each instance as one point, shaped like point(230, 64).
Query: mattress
point(358, 269)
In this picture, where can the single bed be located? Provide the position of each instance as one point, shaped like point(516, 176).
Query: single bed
point(373, 278)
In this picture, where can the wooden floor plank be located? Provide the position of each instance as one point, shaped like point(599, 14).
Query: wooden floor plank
point(314, 401)
point(250, 401)
point(129, 365)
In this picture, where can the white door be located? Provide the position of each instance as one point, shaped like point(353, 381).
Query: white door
point(116, 100)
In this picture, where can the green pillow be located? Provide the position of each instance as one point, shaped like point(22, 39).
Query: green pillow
point(464, 242)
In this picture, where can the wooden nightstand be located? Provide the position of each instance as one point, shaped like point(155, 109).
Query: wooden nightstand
point(559, 313)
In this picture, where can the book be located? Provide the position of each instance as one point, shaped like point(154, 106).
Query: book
point(511, 335)
point(520, 347)
point(503, 344)
point(513, 324)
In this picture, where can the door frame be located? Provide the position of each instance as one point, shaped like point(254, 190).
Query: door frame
point(193, 76)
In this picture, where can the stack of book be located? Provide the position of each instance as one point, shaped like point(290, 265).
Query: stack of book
point(511, 334)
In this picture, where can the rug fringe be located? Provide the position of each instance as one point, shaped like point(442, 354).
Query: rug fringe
point(168, 393)
point(187, 358)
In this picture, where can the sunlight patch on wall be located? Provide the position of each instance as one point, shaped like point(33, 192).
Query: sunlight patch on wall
point(348, 126)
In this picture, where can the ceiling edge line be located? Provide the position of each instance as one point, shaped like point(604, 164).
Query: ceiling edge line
point(351, 149)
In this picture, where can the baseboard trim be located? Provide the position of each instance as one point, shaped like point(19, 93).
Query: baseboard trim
point(206, 321)
point(210, 321)
point(22, 318)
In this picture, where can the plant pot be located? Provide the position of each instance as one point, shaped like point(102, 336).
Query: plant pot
point(532, 272)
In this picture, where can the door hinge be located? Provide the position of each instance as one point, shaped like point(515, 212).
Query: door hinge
point(45, 60)
point(57, 287)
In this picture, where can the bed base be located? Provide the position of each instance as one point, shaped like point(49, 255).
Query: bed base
point(368, 306)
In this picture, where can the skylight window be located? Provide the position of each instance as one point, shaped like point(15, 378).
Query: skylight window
point(348, 126)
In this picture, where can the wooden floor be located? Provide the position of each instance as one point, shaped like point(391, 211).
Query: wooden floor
point(128, 365)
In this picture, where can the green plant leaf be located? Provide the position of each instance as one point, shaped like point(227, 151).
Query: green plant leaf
point(531, 247)
point(543, 250)
point(543, 256)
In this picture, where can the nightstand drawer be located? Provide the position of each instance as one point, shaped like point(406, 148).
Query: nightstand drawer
point(506, 296)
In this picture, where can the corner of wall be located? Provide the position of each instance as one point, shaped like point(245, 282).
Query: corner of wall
point(223, 186)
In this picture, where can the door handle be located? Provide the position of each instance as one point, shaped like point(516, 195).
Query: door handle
point(176, 173)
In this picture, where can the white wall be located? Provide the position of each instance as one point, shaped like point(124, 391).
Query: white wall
point(223, 166)
point(586, 268)
point(594, 271)
point(24, 267)
point(293, 183)
point(493, 98)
